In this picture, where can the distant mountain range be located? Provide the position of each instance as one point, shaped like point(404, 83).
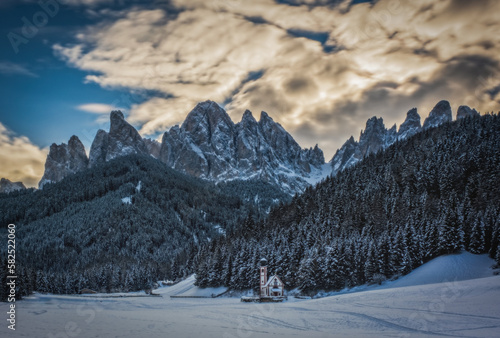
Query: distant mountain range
point(211, 146)
point(207, 145)
point(431, 194)
point(376, 137)
point(214, 196)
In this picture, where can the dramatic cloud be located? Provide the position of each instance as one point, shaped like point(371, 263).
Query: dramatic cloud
point(320, 68)
point(21, 160)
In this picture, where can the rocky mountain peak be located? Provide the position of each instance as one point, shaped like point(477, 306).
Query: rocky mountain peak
point(374, 123)
point(440, 114)
point(207, 144)
point(99, 148)
point(64, 159)
point(466, 111)
point(351, 141)
point(122, 139)
point(411, 125)
point(265, 118)
point(412, 117)
point(344, 157)
point(315, 156)
point(209, 127)
point(116, 116)
point(7, 186)
point(276, 135)
point(153, 147)
point(206, 117)
point(248, 118)
point(211, 146)
point(373, 138)
point(76, 151)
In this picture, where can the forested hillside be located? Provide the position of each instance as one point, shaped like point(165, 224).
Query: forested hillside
point(122, 225)
point(437, 192)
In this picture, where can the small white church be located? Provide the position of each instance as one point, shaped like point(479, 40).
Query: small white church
point(273, 287)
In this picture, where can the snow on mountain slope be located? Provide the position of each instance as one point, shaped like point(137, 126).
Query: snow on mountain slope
point(187, 288)
point(448, 268)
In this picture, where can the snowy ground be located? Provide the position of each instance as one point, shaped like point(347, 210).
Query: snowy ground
point(462, 302)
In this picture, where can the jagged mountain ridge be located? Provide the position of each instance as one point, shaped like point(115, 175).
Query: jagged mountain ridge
point(63, 160)
point(435, 193)
point(376, 137)
point(7, 186)
point(207, 145)
point(122, 139)
point(210, 145)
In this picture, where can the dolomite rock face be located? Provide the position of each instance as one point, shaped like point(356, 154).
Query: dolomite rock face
point(209, 145)
point(376, 137)
point(411, 125)
point(7, 186)
point(63, 160)
point(153, 147)
point(440, 114)
point(122, 139)
point(466, 111)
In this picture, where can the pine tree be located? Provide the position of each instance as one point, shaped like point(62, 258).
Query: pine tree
point(497, 257)
point(371, 264)
point(477, 238)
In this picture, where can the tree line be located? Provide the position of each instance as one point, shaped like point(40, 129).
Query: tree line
point(122, 225)
point(435, 193)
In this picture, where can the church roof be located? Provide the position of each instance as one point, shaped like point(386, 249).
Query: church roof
point(272, 279)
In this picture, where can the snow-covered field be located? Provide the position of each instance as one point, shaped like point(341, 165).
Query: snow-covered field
point(463, 301)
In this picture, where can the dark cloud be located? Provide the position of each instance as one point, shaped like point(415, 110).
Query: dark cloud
point(328, 3)
point(465, 6)
point(319, 67)
point(459, 77)
point(471, 70)
point(256, 20)
point(310, 3)
point(252, 76)
point(492, 92)
point(426, 52)
point(386, 84)
point(299, 85)
point(487, 44)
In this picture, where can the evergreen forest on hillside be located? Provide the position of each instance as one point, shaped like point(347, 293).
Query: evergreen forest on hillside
point(123, 225)
point(127, 223)
point(435, 193)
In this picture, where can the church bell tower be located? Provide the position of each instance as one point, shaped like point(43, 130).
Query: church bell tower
point(263, 277)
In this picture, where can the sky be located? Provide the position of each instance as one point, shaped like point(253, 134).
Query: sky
point(320, 68)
